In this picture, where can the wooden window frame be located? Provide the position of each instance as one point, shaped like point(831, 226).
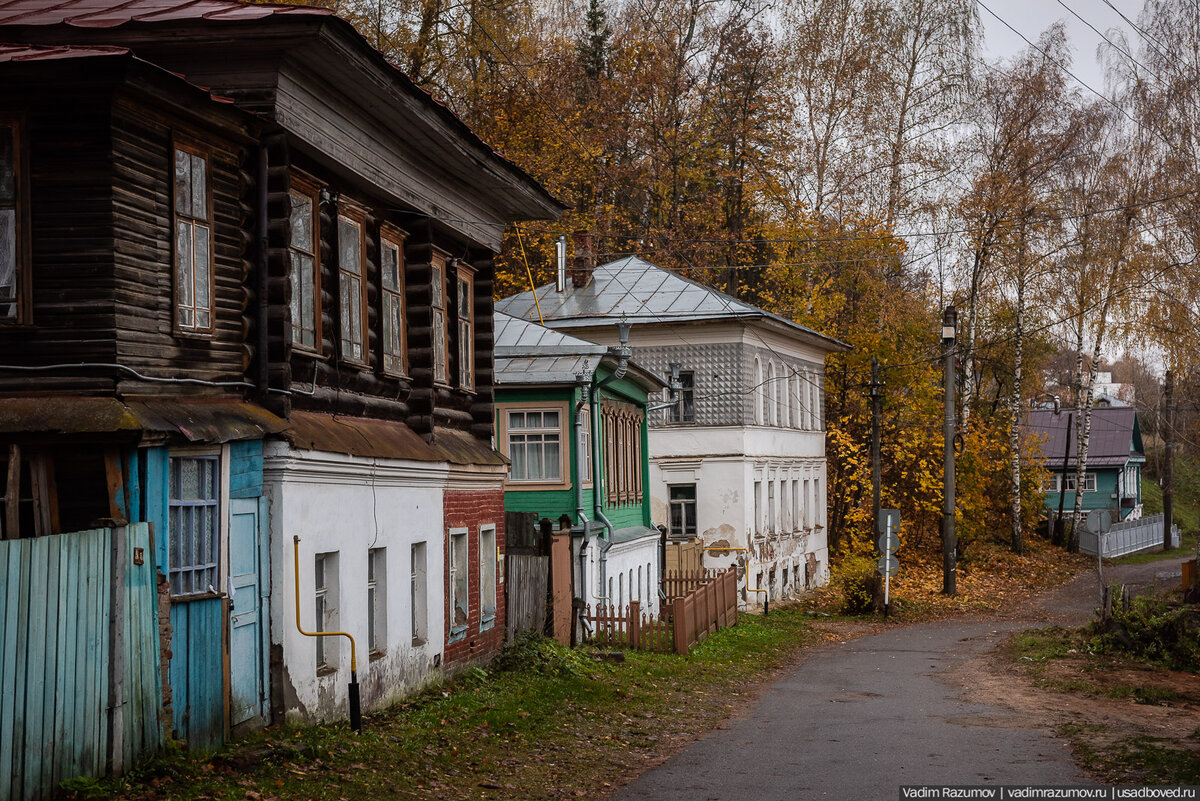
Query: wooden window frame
point(358, 218)
point(393, 364)
point(564, 436)
point(311, 190)
point(183, 145)
point(583, 447)
point(22, 253)
point(439, 310)
point(683, 505)
point(683, 410)
point(464, 329)
point(622, 428)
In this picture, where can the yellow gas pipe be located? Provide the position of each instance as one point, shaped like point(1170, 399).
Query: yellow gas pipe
point(355, 708)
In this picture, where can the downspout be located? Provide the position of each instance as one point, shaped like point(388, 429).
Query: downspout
point(623, 353)
point(582, 380)
point(262, 373)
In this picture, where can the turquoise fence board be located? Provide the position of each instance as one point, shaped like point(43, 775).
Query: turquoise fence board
point(7, 668)
point(197, 673)
point(56, 635)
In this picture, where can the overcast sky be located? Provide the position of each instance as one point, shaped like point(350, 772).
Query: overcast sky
point(1031, 17)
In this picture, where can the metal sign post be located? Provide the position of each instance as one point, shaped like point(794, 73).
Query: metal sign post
point(889, 524)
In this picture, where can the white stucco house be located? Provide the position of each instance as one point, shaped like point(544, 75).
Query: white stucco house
point(739, 460)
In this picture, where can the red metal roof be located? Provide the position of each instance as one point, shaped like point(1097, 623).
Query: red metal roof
point(20, 52)
point(110, 13)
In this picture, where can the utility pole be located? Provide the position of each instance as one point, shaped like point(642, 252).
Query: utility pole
point(1168, 493)
point(949, 536)
point(876, 385)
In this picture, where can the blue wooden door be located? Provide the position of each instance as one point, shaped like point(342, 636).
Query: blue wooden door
point(248, 579)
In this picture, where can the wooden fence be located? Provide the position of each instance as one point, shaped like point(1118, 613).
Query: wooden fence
point(711, 606)
point(680, 583)
point(80, 681)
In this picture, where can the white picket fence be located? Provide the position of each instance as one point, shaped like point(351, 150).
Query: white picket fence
point(1131, 536)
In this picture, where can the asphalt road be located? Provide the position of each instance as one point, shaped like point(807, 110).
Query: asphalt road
point(858, 719)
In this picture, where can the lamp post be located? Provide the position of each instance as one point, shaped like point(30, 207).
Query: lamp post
point(949, 536)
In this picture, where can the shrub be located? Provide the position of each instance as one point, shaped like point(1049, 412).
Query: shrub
point(858, 581)
point(534, 653)
point(1156, 631)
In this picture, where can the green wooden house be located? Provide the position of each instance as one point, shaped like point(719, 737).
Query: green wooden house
point(1113, 479)
point(571, 418)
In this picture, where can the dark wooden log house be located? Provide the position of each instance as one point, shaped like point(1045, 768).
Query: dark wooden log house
point(248, 313)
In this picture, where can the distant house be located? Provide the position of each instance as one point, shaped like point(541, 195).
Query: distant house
point(739, 460)
point(231, 317)
point(1114, 463)
point(572, 418)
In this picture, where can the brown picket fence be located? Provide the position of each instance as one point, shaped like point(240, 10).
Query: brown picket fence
point(681, 583)
point(711, 606)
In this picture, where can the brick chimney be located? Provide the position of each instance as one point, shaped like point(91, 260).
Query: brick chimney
point(584, 263)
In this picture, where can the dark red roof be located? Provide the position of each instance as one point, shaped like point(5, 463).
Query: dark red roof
point(22, 52)
point(110, 13)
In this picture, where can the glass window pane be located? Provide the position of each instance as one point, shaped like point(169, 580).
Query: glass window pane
point(390, 267)
point(549, 419)
point(8, 254)
point(199, 188)
point(202, 263)
point(8, 165)
point(183, 262)
point(348, 246)
point(553, 469)
point(183, 183)
point(301, 222)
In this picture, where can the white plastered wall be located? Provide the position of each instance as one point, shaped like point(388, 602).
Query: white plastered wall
point(348, 505)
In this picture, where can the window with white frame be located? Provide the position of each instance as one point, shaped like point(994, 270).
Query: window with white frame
point(797, 523)
point(1050, 483)
point(769, 409)
point(466, 327)
point(460, 573)
point(806, 512)
point(1089, 482)
point(758, 507)
point(534, 445)
point(376, 602)
point(760, 394)
point(488, 556)
point(193, 243)
point(193, 546)
point(771, 527)
point(419, 594)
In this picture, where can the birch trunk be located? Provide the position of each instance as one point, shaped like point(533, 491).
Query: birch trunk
point(1014, 422)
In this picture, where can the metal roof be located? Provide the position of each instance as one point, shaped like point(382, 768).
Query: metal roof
point(21, 52)
point(387, 439)
point(644, 293)
point(528, 353)
point(1115, 436)
point(110, 13)
point(208, 420)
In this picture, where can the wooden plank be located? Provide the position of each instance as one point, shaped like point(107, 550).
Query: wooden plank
point(8, 667)
point(114, 674)
point(45, 495)
point(21, 652)
point(50, 557)
point(64, 674)
point(115, 484)
point(177, 668)
point(12, 496)
point(33, 735)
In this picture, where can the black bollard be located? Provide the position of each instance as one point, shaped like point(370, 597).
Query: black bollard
point(355, 708)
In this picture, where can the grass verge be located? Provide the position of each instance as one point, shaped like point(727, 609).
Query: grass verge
point(545, 722)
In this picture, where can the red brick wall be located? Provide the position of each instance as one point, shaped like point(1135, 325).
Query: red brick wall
point(470, 509)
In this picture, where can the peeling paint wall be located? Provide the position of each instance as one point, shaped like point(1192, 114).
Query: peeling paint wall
point(345, 506)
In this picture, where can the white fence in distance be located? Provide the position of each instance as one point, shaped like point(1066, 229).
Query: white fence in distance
point(1131, 536)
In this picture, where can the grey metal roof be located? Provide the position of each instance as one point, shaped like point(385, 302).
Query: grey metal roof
point(645, 293)
point(1114, 439)
point(528, 353)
